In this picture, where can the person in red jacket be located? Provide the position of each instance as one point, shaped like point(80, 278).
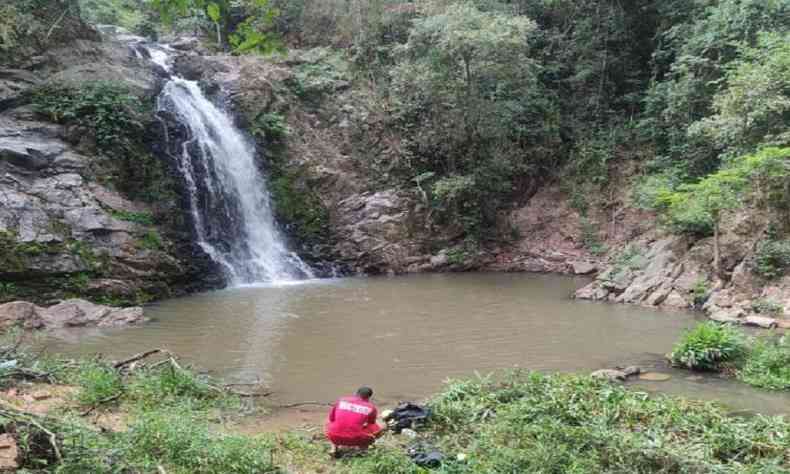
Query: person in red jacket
point(352, 421)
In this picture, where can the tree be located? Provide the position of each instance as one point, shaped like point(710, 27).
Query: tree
point(754, 106)
point(468, 98)
point(249, 35)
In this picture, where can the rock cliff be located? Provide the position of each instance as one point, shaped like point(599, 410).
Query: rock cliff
point(73, 221)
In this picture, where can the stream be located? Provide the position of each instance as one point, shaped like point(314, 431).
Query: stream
point(404, 336)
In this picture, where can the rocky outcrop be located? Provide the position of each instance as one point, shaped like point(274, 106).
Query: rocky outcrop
point(68, 313)
point(677, 272)
point(66, 226)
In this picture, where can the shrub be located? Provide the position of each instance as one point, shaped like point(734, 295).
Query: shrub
point(768, 365)
point(700, 292)
point(773, 258)
point(151, 240)
point(271, 126)
point(107, 108)
point(766, 306)
point(98, 382)
point(709, 346)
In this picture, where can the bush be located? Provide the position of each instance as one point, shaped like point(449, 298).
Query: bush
point(530, 422)
point(772, 258)
point(107, 109)
point(768, 365)
point(766, 306)
point(98, 382)
point(709, 346)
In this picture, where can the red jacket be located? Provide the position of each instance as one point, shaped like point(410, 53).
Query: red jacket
point(350, 415)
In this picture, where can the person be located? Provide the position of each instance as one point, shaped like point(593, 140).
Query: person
point(352, 421)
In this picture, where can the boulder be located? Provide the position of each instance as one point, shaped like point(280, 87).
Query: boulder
point(80, 313)
point(760, 321)
point(730, 316)
point(583, 268)
point(610, 375)
point(22, 313)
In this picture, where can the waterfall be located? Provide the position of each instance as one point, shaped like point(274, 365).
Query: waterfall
point(229, 202)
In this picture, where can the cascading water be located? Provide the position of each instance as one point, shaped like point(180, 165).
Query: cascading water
point(230, 205)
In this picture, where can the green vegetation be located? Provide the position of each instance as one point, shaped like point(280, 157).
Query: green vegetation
point(167, 409)
point(768, 364)
point(762, 361)
point(151, 240)
point(143, 218)
point(709, 346)
point(299, 206)
point(107, 109)
point(767, 306)
point(700, 292)
point(529, 422)
point(270, 126)
point(773, 258)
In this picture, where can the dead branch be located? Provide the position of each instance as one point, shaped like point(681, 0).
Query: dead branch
point(140, 356)
point(101, 402)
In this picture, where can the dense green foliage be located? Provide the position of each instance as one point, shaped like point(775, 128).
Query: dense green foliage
point(768, 364)
point(762, 361)
point(538, 423)
point(709, 346)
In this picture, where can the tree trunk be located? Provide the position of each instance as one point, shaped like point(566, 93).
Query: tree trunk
point(219, 35)
point(716, 268)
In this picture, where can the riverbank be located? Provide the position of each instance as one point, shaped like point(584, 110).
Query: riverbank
point(149, 414)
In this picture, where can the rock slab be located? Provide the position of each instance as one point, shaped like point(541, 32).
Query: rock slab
point(68, 313)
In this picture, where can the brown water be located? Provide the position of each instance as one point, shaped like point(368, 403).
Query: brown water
point(404, 336)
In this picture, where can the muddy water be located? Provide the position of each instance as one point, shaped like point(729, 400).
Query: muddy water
point(404, 336)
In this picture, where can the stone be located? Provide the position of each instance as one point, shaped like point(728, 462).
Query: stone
point(583, 268)
point(632, 370)
point(27, 315)
point(80, 313)
point(40, 395)
point(729, 316)
point(185, 44)
point(439, 260)
point(654, 377)
point(9, 453)
point(675, 300)
point(610, 375)
point(783, 323)
point(760, 321)
point(30, 152)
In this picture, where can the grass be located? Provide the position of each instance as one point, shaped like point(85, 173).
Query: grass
point(709, 346)
point(768, 364)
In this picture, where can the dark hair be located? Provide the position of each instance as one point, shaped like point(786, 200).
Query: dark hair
point(365, 392)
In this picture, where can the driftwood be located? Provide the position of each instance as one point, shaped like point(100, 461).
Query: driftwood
point(137, 357)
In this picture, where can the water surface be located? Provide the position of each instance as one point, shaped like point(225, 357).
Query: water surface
point(404, 336)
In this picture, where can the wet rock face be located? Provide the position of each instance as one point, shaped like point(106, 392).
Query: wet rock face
point(64, 228)
point(68, 313)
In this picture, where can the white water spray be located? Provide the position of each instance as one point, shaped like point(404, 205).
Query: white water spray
point(230, 205)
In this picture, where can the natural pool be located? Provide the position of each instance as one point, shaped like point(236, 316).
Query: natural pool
point(405, 335)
